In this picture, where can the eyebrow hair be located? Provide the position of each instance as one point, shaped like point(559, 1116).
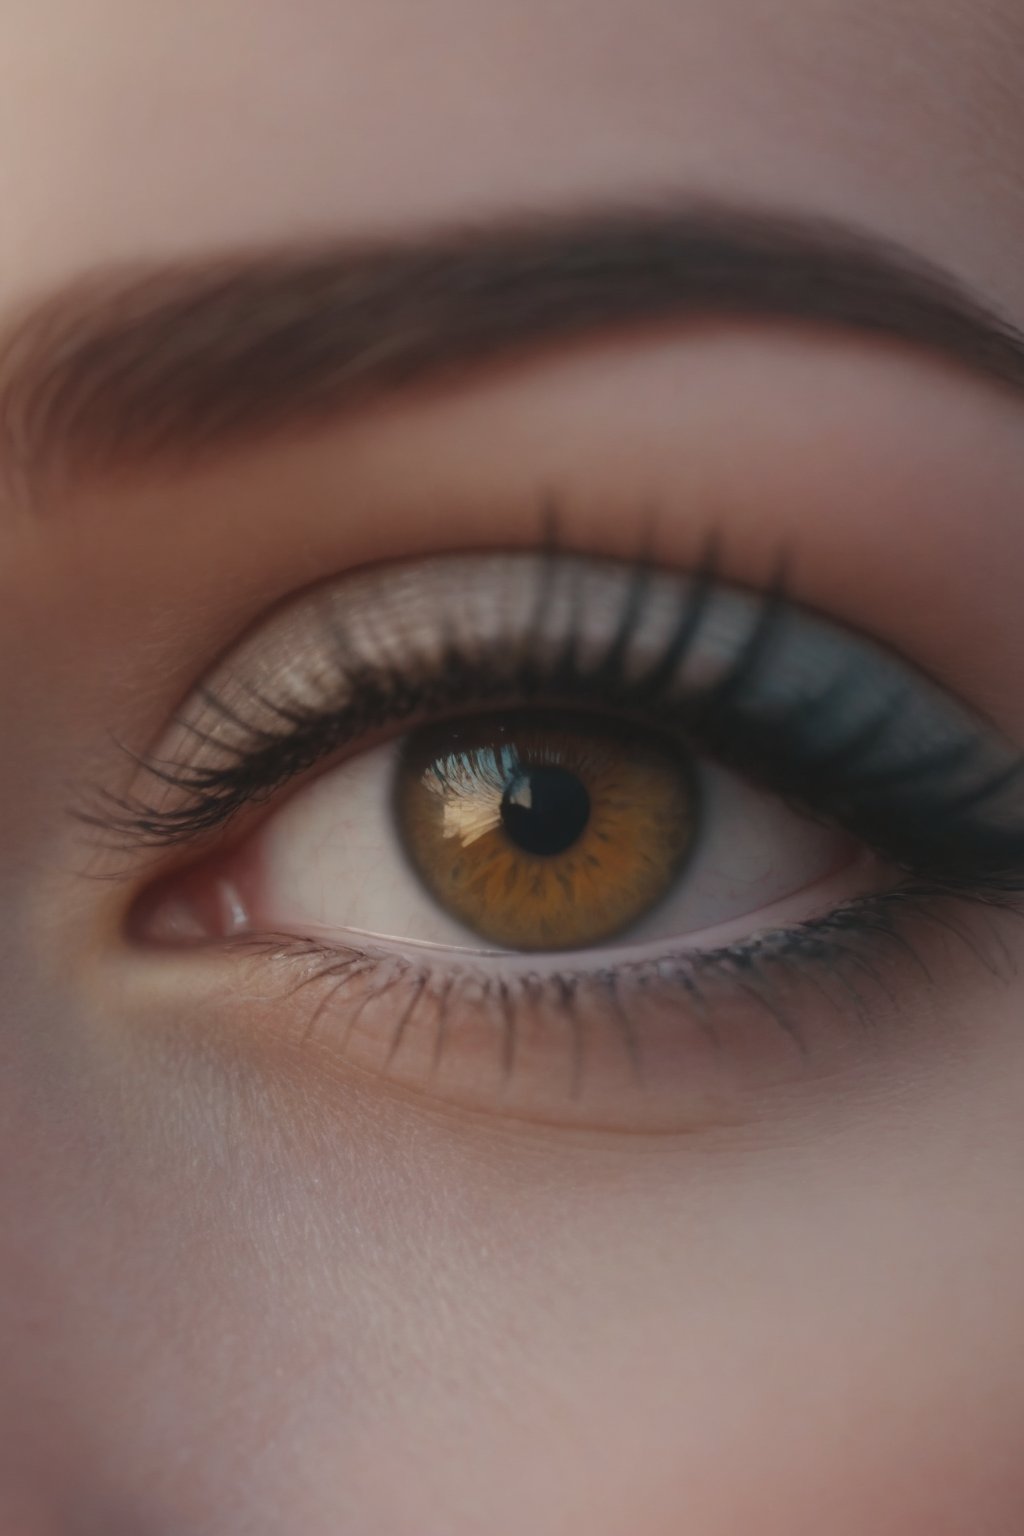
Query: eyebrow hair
point(150, 364)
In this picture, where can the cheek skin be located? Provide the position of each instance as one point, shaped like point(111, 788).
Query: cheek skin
point(398, 1316)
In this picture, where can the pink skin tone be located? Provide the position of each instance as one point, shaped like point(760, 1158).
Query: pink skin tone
point(248, 1285)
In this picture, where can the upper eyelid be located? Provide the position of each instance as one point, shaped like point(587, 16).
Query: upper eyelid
point(374, 608)
point(707, 590)
point(711, 569)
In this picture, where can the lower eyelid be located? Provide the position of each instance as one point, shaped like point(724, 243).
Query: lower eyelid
point(674, 1043)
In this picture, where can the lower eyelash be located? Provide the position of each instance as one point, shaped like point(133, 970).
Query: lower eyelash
point(842, 955)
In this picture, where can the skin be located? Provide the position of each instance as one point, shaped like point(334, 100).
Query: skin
point(248, 1287)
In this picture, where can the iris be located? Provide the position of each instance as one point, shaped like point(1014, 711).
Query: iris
point(545, 830)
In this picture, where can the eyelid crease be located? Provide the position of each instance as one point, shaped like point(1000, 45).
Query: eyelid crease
point(783, 696)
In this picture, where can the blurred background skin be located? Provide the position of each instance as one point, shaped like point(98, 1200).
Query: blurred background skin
point(241, 1291)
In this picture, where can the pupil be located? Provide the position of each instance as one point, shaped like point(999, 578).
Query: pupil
point(545, 809)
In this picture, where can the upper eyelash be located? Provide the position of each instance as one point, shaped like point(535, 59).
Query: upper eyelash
point(942, 816)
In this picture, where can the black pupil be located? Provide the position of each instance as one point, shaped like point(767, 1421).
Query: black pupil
point(545, 809)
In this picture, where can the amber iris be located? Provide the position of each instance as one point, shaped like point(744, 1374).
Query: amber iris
point(545, 830)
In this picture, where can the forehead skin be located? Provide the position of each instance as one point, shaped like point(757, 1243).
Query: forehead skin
point(834, 1331)
point(142, 129)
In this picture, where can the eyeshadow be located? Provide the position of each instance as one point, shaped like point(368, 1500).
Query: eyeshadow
point(801, 705)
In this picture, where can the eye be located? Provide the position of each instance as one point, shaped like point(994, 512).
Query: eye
point(529, 832)
point(554, 795)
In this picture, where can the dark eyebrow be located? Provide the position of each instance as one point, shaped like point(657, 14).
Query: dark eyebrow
point(145, 364)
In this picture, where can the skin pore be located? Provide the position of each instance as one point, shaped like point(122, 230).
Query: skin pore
point(248, 1285)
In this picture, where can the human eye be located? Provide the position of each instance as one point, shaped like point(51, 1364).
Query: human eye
point(559, 830)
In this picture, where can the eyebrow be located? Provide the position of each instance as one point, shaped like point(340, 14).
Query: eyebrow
point(150, 365)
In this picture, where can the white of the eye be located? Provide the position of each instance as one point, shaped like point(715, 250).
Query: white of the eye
point(331, 862)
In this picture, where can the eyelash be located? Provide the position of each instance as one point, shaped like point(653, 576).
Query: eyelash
point(940, 818)
point(838, 955)
point(925, 815)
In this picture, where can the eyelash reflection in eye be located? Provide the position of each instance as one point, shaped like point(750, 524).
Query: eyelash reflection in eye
point(830, 721)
